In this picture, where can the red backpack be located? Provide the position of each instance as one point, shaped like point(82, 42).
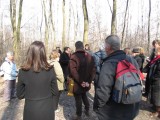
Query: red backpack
point(127, 88)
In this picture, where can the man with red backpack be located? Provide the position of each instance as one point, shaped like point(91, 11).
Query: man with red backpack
point(118, 90)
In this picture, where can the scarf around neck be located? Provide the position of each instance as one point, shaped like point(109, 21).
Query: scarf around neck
point(155, 59)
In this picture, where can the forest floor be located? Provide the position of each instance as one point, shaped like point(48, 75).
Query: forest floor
point(13, 110)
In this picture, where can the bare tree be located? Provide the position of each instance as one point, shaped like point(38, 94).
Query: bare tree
point(16, 28)
point(64, 25)
point(69, 24)
point(46, 25)
point(113, 23)
point(124, 24)
point(86, 23)
point(52, 23)
point(149, 19)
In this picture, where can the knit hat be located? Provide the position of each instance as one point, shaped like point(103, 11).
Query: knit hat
point(136, 50)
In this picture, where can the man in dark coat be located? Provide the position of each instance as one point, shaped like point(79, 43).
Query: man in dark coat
point(82, 71)
point(136, 56)
point(104, 106)
point(64, 61)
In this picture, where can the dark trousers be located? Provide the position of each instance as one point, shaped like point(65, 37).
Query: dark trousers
point(147, 85)
point(78, 99)
point(9, 90)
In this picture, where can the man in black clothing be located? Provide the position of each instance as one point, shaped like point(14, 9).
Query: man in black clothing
point(136, 55)
point(64, 61)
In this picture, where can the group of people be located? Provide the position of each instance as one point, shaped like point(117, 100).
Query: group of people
point(41, 81)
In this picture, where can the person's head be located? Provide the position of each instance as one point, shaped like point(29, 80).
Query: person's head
point(67, 50)
point(127, 51)
point(141, 51)
point(36, 58)
point(57, 48)
point(135, 51)
point(157, 51)
point(112, 44)
point(79, 45)
point(156, 43)
point(54, 55)
point(10, 56)
point(87, 47)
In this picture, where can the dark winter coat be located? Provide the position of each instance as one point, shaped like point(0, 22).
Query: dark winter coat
point(143, 60)
point(151, 57)
point(40, 93)
point(81, 70)
point(154, 81)
point(146, 69)
point(64, 61)
point(139, 60)
point(104, 106)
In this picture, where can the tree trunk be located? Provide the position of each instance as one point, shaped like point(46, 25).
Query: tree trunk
point(86, 24)
point(68, 40)
point(16, 29)
point(52, 24)
point(149, 19)
point(19, 26)
point(124, 25)
point(64, 26)
point(113, 23)
point(46, 26)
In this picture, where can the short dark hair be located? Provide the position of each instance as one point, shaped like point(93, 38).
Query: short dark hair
point(79, 45)
point(36, 58)
point(66, 48)
point(156, 41)
point(127, 51)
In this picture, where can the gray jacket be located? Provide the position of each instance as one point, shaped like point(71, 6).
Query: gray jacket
point(105, 107)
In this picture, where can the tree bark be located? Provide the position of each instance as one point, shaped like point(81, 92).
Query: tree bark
point(86, 23)
point(69, 25)
point(16, 29)
point(46, 26)
point(124, 25)
point(113, 23)
point(52, 24)
point(64, 25)
point(149, 19)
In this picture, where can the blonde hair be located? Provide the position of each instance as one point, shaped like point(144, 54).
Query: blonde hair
point(54, 54)
point(141, 50)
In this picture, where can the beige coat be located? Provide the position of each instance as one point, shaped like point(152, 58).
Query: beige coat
point(59, 74)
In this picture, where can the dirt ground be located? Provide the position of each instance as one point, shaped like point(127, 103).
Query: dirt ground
point(13, 110)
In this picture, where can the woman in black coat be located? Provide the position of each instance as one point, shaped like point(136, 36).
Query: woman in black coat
point(37, 85)
point(154, 79)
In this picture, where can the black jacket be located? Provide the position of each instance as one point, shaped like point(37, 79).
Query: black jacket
point(154, 81)
point(143, 60)
point(139, 61)
point(103, 102)
point(64, 61)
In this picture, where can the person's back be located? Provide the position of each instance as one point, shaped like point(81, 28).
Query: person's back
point(37, 85)
point(104, 105)
point(85, 64)
point(81, 68)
